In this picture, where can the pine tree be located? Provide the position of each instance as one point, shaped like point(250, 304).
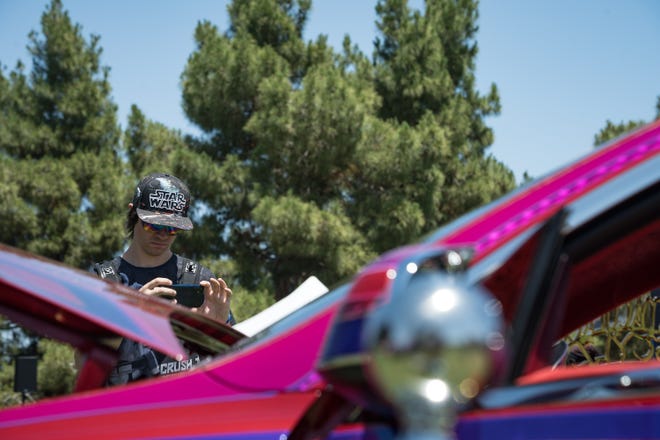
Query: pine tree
point(323, 160)
point(612, 130)
point(61, 173)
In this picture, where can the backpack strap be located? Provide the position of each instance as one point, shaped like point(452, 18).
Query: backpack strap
point(188, 271)
point(108, 269)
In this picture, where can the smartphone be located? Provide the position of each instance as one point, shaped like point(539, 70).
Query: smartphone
point(189, 295)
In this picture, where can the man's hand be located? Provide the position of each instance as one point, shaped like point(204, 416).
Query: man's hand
point(217, 296)
point(217, 299)
point(159, 287)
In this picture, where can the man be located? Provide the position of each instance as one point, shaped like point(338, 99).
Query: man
point(157, 213)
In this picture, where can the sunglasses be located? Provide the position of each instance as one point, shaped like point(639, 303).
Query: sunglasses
point(171, 230)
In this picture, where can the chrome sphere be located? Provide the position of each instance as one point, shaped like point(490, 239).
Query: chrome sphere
point(432, 348)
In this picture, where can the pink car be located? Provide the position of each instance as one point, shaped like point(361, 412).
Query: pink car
point(461, 335)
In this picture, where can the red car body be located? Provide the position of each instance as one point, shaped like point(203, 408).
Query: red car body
point(307, 376)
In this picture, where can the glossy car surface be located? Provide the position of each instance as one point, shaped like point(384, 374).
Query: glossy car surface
point(552, 256)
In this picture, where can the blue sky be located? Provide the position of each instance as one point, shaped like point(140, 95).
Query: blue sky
point(563, 67)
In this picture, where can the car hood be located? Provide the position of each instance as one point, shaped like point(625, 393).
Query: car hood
point(79, 308)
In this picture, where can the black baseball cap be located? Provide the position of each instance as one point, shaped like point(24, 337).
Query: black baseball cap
point(162, 199)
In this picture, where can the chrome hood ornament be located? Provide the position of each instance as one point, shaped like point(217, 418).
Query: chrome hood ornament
point(435, 344)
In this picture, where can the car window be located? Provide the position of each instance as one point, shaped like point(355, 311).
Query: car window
point(32, 367)
point(627, 333)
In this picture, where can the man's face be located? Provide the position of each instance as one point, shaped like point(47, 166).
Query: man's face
point(151, 241)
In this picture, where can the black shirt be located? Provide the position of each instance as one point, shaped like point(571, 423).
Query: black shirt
point(137, 277)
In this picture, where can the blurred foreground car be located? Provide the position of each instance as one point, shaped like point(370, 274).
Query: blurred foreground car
point(472, 333)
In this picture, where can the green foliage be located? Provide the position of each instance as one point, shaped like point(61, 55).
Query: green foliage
point(150, 146)
point(308, 241)
point(612, 130)
point(324, 160)
point(245, 304)
point(60, 167)
point(7, 395)
point(426, 64)
point(311, 162)
point(335, 138)
point(56, 372)
point(62, 174)
point(55, 368)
